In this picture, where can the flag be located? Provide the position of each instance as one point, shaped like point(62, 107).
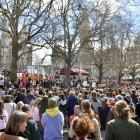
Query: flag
point(23, 77)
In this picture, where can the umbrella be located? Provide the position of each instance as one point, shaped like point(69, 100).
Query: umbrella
point(73, 71)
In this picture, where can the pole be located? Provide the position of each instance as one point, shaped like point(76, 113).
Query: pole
point(65, 57)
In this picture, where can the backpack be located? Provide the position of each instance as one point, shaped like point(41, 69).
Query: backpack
point(62, 107)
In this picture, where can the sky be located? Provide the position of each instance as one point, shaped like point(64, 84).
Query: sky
point(89, 3)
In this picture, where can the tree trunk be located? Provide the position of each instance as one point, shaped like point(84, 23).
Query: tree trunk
point(1, 67)
point(67, 74)
point(100, 76)
point(120, 77)
point(133, 78)
point(13, 74)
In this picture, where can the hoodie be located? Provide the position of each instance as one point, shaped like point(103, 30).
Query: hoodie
point(53, 112)
point(53, 121)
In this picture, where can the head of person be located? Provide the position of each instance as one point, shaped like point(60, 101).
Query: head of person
point(82, 126)
point(122, 109)
point(72, 93)
point(52, 103)
point(114, 93)
point(27, 109)
point(37, 101)
point(101, 91)
point(17, 122)
point(94, 94)
point(111, 102)
point(62, 96)
point(119, 97)
point(23, 90)
point(19, 105)
point(50, 94)
point(8, 99)
point(86, 108)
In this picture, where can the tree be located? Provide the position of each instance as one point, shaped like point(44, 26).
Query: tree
point(133, 53)
point(101, 17)
point(121, 39)
point(30, 16)
point(66, 22)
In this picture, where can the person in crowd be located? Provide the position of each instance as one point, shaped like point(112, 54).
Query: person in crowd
point(9, 105)
point(122, 128)
point(42, 109)
point(35, 109)
point(3, 117)
point(1, 82)
point(53, 121)
point(111, 103)
point(19, 105)
point(71, 102)
point(103, 112)
point(30, 97)
point(137, 111)
point(17, 123)
point(36, 116)
point(95, 102)
point(85, 94)
point(77, 110)
point(62, 105)
point(114, 93)
point(20, 85)
point(56, 95)
point(87, 110)
point(112, 112)
point(3, 92)
point(43, 105)
point(31, 131)
point(134, 96)
point(21, 96)
point(82, 127)
point(15, 92)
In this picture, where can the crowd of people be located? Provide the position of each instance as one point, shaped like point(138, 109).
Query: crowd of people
point(31, 112)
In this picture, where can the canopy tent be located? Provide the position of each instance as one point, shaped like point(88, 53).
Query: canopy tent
point(73, 71)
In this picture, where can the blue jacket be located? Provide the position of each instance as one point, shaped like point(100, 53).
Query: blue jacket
point(71, 102)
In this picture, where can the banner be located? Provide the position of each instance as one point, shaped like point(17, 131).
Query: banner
point(23, 77)
point(31, 69)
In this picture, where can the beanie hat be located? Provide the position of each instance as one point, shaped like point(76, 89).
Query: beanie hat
point(119, 97)
point(52, 102)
